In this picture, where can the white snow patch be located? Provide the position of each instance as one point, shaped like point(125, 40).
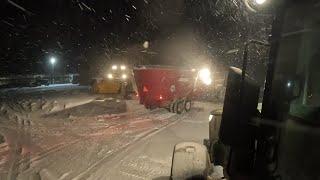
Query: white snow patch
point(25, 105)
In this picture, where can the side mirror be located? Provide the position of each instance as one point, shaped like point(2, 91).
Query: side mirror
point(190, 161)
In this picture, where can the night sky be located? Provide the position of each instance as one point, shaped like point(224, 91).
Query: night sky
point(86, 34)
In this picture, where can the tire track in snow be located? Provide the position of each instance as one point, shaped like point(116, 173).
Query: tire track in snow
point(114, 129)
point(122, 155)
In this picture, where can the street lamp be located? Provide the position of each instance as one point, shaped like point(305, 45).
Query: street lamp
point(53, 61)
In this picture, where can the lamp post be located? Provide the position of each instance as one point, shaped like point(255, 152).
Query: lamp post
point(53, 62)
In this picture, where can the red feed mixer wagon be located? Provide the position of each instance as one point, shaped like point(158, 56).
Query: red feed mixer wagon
point(165, 87)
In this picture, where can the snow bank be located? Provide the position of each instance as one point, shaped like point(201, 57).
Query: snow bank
point(26, 105)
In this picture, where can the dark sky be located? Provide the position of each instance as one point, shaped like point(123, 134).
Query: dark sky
point(62, 28)
point(91, 32)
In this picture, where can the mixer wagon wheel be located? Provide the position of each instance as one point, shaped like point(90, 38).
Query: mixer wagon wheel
point(187, 105)
point(179, 107)
point(173, 106)
point(147, 106)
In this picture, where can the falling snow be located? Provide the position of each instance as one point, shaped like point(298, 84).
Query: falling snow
point(92, 33)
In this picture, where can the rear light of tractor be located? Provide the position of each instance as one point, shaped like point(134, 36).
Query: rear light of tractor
point(145, 89)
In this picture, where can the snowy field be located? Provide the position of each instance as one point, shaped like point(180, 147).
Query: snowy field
point(65, 132)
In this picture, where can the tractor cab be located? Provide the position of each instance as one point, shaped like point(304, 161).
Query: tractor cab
point(280, 141)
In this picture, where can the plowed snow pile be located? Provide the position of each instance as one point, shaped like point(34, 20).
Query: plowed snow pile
point(26, 105)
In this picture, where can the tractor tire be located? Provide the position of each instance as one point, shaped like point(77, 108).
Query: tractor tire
point(147, 106)
point(179, 107)
point(187, 105)
point(173, 107)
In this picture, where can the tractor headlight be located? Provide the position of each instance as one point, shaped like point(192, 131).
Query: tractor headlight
point(110, 76)
point(123, 67)
point(114, 67)
point(210, 117)
point(205, 76)
point(260, 1)
point(255, 5)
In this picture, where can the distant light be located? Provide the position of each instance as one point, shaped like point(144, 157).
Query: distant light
point(53, 60)
point(289, 84)
point(160, 97)
point(110, 76)
point(123, 67)
point(114, 67)
point(193, 70)
point(124, 76)
point(146, 44)
point(260, 1)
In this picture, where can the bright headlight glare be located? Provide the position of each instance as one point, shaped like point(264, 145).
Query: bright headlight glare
point(207, 81)
point(204, 73)
point(124, 76)
point(123, 67)
point(114, 67)
point(260, 1)
point(110, 76)
point(210, 117)
point(205, 76)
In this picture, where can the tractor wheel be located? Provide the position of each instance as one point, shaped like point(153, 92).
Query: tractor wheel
point(187, 105)
point(173, 107)
point(179, 107)
point(147, 106)
point(169, 108)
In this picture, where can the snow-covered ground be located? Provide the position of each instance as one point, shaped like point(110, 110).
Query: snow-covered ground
point(65, 132)
point(151, 157)
point(26, 105)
